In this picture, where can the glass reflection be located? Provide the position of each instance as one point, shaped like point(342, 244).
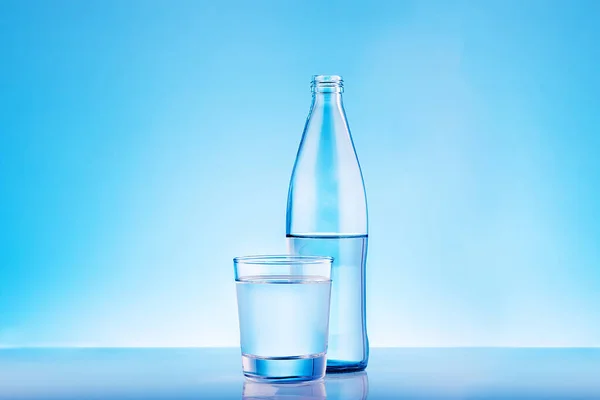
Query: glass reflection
point(344, 386)
point(313, 390)
point(347, 386)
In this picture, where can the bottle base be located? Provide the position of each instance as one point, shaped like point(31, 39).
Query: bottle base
point(284, 369)
point(335, 366)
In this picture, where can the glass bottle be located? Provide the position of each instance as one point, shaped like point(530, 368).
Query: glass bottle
point(327, 215)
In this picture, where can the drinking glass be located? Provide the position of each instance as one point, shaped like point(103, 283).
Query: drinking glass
point(283, 306)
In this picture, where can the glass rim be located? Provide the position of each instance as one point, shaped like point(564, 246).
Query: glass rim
point(275, 260)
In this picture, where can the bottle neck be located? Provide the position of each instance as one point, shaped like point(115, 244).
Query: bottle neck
point(327, 118)
point(327, 99)
point(327, 113)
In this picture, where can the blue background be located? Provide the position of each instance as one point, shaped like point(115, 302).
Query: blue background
point(144, 144)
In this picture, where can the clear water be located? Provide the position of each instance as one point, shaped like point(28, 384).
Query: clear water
point(348, 343)
point(283, 316)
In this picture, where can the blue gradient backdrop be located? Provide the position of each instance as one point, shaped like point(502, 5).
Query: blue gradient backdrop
point(144, 144)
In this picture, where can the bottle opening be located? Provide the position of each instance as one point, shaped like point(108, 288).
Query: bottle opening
point(327, 84)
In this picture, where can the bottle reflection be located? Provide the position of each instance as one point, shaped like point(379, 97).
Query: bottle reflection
point(314, 390)
point(347, 386)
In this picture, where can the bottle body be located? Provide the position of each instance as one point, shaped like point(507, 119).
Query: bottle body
point(327, 215)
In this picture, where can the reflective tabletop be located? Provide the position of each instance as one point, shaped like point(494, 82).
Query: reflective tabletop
point(393, 373)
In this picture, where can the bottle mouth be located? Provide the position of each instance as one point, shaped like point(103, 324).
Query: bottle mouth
point(327, 84)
